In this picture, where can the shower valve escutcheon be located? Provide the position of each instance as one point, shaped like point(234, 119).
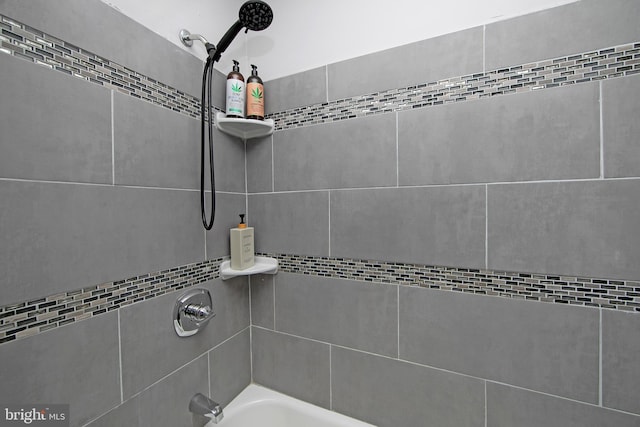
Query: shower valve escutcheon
point(192, 312)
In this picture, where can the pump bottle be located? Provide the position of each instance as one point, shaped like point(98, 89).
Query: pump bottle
point(255, 95)
point(235, 92)
point(242, 252)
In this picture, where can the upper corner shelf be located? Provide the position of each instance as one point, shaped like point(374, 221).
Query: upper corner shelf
point(244, 128)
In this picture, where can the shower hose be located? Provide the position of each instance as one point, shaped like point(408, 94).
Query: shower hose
point(205, 114)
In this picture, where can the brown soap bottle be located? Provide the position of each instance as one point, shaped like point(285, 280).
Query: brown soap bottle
point(255, 95)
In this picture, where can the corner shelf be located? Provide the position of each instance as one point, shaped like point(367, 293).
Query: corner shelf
point(244, 128)
point(263, 265)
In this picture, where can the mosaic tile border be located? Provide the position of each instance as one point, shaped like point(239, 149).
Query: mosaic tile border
point(32, 317)
point(618, 61)
point(35, 316)
point(27, 43)
point(621, 295)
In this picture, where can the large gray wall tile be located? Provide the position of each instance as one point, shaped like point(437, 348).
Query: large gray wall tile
point(147, 330)
point(293, 223)
point(510, 407)
point(586, 228)
point(391, 393)
point(262, 300)
point(230, 367)
point(260, 165)
point(291, 365)
point(57, 237)
point(37, 140)
point(550, 134)
point(436, 226)
point(229, 163)
point(297, 90)
point(99, 28)
point(621, 128)
point(352, 153)
point(166, 403)
point(154, 146)
point(228, 209)
point(620, 367)
point(544, 347)
point(574, 28)
point(76, 364)
point(128, 413)
point(454, 54)
point(353, 314)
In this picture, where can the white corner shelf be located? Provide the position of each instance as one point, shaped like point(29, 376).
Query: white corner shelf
point(263, 265)
point(244, 128)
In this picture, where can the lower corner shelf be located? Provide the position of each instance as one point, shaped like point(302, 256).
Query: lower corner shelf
point(263, 265)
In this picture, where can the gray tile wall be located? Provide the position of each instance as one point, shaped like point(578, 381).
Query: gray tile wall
point(97, 187)
point(542, 182)
point(577, 27)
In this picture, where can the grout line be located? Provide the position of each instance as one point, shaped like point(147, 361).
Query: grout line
point(246, 183)
point(397, 151)
point(251, 352)
point(601, 131)
point(273, 281)
point(113, 142)
point(484, 48)
point(486, 227)
point(204, 231)
point(97, 184)
point(209, 371)
point(329, 222)
point(600, 358)
point(250, 311)
point(273, 167)
point(471, 184)
point(398, 314)
point(326, 80)
point(330, 380)
point(485, 404)
point(120, 358)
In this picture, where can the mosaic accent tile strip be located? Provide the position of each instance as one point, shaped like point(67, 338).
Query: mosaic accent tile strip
point(621, 295)
point(29, 318)
point(27, 43)
point(608, 63)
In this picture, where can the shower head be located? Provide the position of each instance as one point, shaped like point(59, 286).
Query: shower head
point(254, 15)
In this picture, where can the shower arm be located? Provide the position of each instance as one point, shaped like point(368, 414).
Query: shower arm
point(187, 39)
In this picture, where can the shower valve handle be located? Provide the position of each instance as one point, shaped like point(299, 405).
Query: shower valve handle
point(198, 313)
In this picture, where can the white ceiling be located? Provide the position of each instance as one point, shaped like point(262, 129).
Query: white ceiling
point(306, 34)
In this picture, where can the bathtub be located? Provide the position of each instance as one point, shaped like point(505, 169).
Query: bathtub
point(257, 406)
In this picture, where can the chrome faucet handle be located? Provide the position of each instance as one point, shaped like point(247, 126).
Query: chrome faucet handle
point(192, 312)
point(198, 313)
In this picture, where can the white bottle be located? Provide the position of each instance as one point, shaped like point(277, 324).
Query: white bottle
point(241, 239)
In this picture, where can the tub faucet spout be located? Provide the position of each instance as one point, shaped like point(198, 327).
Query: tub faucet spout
point(202, 405)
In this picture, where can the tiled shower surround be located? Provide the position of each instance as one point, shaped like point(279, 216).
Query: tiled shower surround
point(375, 196)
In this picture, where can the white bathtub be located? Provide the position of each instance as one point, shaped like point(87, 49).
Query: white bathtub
point(257, 406)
